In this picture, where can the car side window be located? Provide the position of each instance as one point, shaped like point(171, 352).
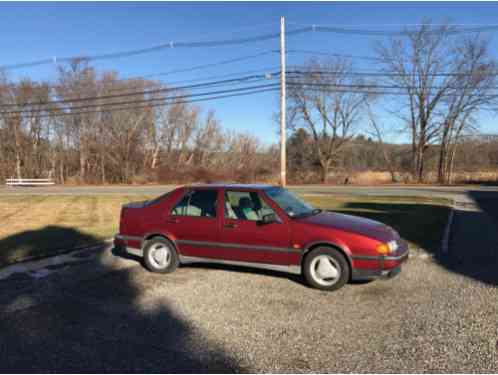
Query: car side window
point(245, 205)
point(197, 203)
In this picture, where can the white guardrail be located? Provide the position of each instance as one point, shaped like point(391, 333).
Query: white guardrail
point(29, 181)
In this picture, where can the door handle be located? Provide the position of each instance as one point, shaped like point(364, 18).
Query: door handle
point(172, 220)
point(230, 225)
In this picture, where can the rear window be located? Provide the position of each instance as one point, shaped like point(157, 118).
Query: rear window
point(158, 199)
point(197, 203)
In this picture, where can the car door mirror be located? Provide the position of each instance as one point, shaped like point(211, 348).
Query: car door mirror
point(269, 218)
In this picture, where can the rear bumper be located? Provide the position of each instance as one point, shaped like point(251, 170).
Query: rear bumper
point(121, 244)
point(385, 267)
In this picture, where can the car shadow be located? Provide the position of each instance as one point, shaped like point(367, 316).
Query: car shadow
point(298, 279)
point(420, 224)
point(99, 324)
point(248, 270)
point(119, 252)
point(473, 242)
point(473, 237)
point(38, 243)
point(491, 183)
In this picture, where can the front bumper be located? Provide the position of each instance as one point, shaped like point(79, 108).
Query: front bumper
point(385, 267)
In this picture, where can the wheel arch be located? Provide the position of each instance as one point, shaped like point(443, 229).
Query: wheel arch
point(332, 245)
point(152, 235)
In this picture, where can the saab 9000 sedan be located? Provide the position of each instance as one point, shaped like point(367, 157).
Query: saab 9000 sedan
point(258, 226)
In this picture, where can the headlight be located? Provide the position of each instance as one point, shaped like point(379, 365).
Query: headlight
point(386, 248)
point(393, 246)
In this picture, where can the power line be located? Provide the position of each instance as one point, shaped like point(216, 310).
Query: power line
point(387, 74)
point(241, 29)
point(244, 40)
point(160, 47)
point(151, 103)
point(402, 24)
point(372, 32)
point(149, 100)
point(380, 86)
point(236, 81)
point(193, 68)
point(368, 58)
point(365, 89)
point(355, 90)
point(142, 92)
point(268, 70)
point(271, 73)
point(154, 105)
point(353, 57)
point(211, 65)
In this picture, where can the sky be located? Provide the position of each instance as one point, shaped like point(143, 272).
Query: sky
point(35, 31)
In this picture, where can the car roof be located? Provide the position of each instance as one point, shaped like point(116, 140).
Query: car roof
point(225, 185)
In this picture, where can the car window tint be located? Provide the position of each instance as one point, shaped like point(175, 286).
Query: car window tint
point(197, 203)
point(245, 205)
point(289, 202)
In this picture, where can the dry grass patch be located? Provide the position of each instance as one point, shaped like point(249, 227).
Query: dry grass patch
point(36, 226)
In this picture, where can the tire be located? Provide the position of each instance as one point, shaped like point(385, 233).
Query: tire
point(320, 275)
point(160, 255)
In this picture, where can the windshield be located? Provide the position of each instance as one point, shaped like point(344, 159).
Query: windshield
point(290, 203)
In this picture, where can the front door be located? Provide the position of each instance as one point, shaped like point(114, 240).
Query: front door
point(243, 235)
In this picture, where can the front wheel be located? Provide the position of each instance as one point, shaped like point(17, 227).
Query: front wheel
point(160, 255)
point(326, 268)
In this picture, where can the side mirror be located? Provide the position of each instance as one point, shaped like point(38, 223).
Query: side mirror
point(269, 218)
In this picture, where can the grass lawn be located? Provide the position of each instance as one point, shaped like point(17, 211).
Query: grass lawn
point(35, 226)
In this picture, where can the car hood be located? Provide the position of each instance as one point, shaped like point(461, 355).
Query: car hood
point(356, 224)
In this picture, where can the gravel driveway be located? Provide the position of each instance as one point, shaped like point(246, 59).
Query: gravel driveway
point(218, 319)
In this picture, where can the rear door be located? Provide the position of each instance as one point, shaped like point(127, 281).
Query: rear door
point(243, 235)
point(194, 221)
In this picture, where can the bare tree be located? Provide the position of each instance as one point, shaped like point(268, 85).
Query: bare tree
point(176, 127)
point(432, 67)
point(476, 77)
point(414, 64)
point(329, 113)
point(379, 133)
point(209, 141)
point(75, 82)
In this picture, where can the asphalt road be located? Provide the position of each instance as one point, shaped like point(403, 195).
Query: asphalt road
point(461, 192)
point(107, 314)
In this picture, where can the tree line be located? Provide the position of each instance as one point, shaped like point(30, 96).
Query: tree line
point(434, 85)
point(364, 154)
point(137, 143)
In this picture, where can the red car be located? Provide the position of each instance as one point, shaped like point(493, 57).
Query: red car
point(258, 226)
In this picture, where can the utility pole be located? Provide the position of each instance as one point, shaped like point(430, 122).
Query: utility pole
point(283, 163)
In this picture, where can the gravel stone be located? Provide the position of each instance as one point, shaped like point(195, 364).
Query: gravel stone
point(215, 319)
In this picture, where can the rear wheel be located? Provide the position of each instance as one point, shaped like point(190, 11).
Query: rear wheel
point(326, 268)
point(160, 255)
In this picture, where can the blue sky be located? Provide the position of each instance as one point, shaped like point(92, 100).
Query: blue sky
point(33, 31)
